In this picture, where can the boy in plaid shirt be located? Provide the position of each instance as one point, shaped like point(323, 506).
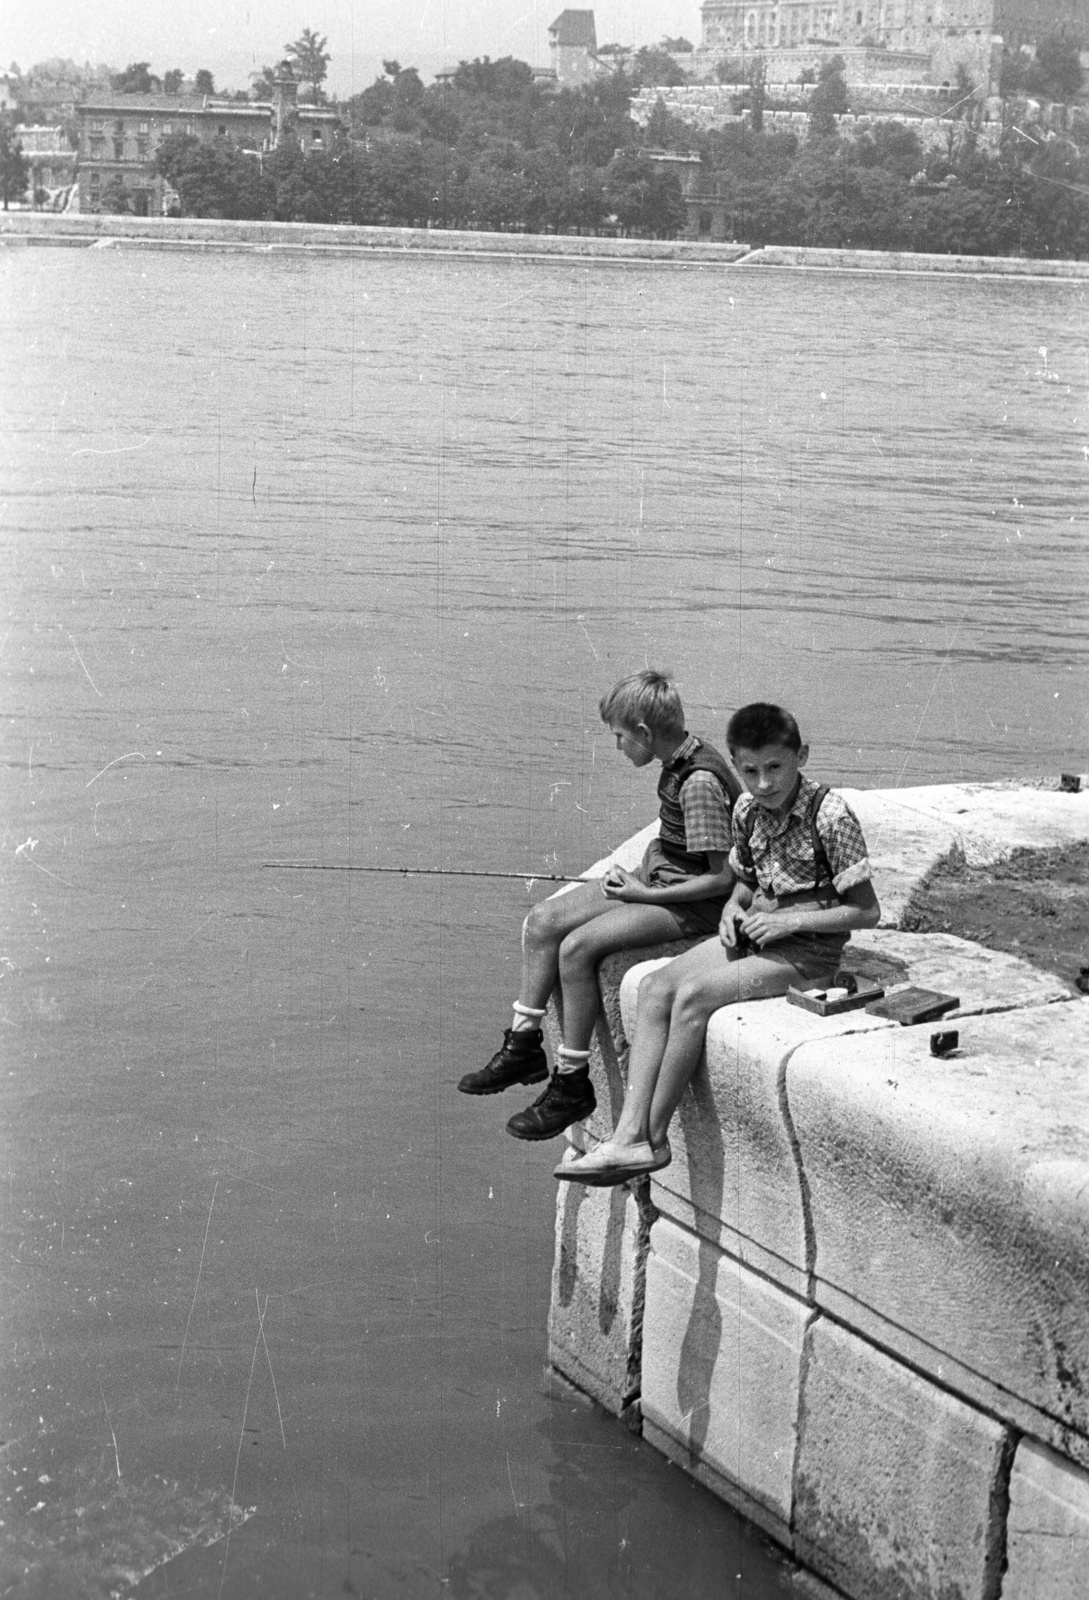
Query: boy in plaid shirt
point(678, 890)
point(802, 883)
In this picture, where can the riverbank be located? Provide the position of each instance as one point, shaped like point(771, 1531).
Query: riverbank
point(86, 231)
point(855, 1303)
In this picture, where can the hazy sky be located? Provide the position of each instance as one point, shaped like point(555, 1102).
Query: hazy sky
point(236, 37)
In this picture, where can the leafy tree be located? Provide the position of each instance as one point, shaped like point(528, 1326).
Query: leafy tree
point(204, 83)
point(829, 99)
point(406, 101)
point(645, 196)
point(173, 80)
point(14, 167)
point(215, 179)
point(680, 47)
point(758, 99)
point(371, 107)
point(730, 69)
point(136, 79)
point(505, 79)
point(654, 68)
point(390, 185)
point(264, 83)
point(309, 57)
point(1053, 73)
point(115, 198)
point(1058, 66)
point(893, 146)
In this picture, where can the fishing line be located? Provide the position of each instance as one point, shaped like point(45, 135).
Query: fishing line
point(424, 872)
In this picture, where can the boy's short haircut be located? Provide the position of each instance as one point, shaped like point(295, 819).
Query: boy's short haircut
point(761, 724)
point(647, 697)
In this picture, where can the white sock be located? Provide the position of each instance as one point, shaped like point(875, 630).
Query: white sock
point(570, 1060)
point(525, 1017)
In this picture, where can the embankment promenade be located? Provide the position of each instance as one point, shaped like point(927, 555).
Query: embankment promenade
point(103, 232)
point(856, 1305)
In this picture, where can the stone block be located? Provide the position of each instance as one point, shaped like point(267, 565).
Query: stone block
point(734, 1177)
point(1047, 1531)
point(596, 1315)
point(722, 1352)
point(897, 1492)
point(949, 1205)
point(983, 980)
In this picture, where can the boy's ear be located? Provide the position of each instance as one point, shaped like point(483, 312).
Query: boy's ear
point(803, 755)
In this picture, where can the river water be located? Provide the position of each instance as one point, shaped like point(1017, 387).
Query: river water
point(329, 560)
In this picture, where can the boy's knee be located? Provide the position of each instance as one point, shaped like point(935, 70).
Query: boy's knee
point(539, 928)
point(692, 1005)
point(577, 951)
point(657, 991)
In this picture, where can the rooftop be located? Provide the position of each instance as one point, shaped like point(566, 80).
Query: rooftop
point(575, 28)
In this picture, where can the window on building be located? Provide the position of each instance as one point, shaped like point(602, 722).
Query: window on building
point(142, 128)
point(119, 149)
point(95, 178)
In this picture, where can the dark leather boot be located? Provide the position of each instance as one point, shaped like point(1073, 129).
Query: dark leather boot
point(569, 1098)
point(521, 1060)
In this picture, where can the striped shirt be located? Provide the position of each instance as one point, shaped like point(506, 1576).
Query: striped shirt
point(778, 857)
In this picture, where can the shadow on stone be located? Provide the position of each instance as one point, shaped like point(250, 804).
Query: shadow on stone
point(703, 1335)
point(574, 1197)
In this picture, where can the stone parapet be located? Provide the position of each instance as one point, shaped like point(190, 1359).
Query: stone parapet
point(856, 1304)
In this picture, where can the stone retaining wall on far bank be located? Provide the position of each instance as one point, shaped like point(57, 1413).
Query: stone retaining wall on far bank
point(195, 233)
point(856, 1305)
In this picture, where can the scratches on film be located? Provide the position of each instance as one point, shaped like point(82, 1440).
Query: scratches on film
point(196, 1289)
point(130, 755)
point(83, 664)
point(231, 1509)
point(113, 1435)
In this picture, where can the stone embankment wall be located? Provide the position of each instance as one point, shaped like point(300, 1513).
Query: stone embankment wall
point(924, 107)
point(103, 231)
point(787, 65)
point(856, 1305)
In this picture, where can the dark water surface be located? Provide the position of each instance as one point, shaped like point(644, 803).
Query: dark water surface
point(330, 560)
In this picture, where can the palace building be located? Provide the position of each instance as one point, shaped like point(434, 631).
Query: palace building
point(912, 25)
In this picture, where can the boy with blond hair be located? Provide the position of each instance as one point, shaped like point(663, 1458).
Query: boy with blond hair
point(678, 890)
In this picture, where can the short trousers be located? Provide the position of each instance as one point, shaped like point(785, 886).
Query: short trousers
point(693, 917)
point(816, 956)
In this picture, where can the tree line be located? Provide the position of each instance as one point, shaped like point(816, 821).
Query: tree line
point(487, 147)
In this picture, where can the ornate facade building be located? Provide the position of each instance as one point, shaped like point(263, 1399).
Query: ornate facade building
point(915, 25)
point(120, 133)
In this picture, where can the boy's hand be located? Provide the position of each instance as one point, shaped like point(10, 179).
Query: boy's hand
point(765, 927)
point(619, 884)
point(730, 929)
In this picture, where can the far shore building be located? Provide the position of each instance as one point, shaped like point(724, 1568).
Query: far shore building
point(51, 161)
point(910, 25)
point(573, 42)
point(120, 133)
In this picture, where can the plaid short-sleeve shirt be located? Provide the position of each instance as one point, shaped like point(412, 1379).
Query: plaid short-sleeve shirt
point(706, 815)
point(778, 857)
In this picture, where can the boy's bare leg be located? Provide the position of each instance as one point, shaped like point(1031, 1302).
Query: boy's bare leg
point(551, 922)
point(629, 925)
point(675, 1005)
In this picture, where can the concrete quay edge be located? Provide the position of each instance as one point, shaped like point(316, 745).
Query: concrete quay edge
point(876, 1271)
point(83, 230)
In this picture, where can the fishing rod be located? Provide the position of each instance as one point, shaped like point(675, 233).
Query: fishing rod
point(426, 872)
